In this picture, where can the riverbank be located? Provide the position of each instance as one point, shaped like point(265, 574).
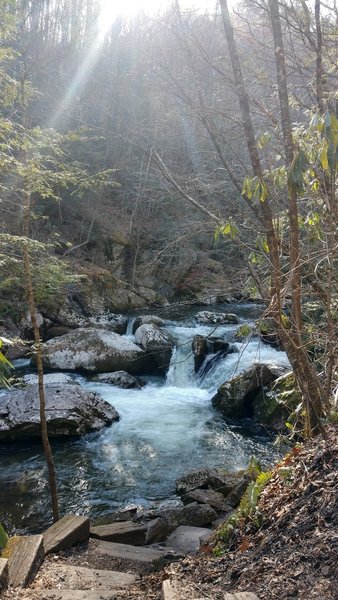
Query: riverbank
point(291, 554)
point(166, 428)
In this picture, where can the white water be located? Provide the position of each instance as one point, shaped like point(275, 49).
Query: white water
point(166, 429)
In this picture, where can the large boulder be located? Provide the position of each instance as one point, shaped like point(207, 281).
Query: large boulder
point(147, 320)
point(70, 411)
point(202, 346)
point(48, 379)
point(158, 345)
point(274, 404)
point(26, 327)
point(73, 316)
point(111, 321)
point(93, 350)
point(206, 317)
point(235, 398)
point(119, 378)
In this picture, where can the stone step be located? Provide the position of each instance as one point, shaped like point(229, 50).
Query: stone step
point(126, 532)
point(70, 577)
point(26, 554)
point(172, 589)
point(57, 594)
point(3, 574)
point(66, 532)
point(187, 540)
point(137, 554)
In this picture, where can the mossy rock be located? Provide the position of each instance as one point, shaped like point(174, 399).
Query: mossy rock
point(235, 398)
point(274, 404)
point(10, 546)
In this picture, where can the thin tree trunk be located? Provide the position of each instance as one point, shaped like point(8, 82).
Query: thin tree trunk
point(319, 59)
point(244, 103)
point(296, 284)
point(38, 350)
point(305, 374)
point(26, 201)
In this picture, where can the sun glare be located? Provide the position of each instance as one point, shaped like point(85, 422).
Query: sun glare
point(111, 9)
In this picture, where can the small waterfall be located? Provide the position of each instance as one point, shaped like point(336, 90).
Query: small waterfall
point(165, 431)
point(130, 326)
point(181, 371)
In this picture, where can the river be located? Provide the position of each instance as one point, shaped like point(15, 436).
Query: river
point(166, 429)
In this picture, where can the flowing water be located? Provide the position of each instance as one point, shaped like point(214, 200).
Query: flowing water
point(166, 429)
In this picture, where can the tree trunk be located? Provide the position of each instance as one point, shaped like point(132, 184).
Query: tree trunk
point(38, 350)
point(304, 371)
point(244, 103)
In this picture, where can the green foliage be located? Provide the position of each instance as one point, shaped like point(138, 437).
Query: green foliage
point(247, 509)
point(255, 188)
point(243, 331)
point(3, 538)
point(297, 170)
point(5, 365)
point(50, 279)
point(227, 230)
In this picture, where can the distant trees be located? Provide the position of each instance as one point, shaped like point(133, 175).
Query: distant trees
point(242, 126)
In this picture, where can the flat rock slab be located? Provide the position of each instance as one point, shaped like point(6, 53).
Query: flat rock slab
point(172, 589)
point(70, 577)
point(131, 553)
point(187, 540)
point(73, 595)
point(241, 596)
point(3, 574)
point(66, 532)
point(25, 560)
point(122, 533)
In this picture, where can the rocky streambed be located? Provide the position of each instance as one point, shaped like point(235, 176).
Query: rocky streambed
point(167, 423)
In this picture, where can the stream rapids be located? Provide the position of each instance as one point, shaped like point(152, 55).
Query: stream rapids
point(166, 429)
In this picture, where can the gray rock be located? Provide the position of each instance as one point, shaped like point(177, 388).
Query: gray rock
point(147, 320)
point(235, 398)
point(119, 378)
point(70, 410)
point(275, 403)
point(158, 345)
point(228, 487)
point(49, 379)
point(25, 324)
point(192, 514)
point(136, 554)
point(125, 532)
point(70, 316)
point(222, 481)
point(111, 321)
point(157, 531)
point(214, 499)
point(206, 317)
point(187, 540)
point(197, 514)
point(93, 350)
point(56, 331)
point(191, 481)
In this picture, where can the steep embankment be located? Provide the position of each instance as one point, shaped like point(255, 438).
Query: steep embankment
point(293, 554)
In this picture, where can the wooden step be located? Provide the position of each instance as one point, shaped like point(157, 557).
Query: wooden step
point(25, 559)
point(70, 577)
point(66, 532)
point(3, 574)
point(126, 532)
